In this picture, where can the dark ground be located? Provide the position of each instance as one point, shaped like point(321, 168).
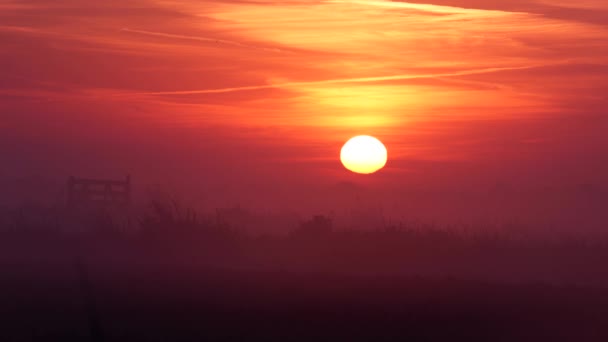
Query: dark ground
point(160, 298)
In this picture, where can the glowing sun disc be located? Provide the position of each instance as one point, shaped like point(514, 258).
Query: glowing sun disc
point(363, 154)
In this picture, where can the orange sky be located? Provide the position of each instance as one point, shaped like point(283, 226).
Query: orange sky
point(463, 93)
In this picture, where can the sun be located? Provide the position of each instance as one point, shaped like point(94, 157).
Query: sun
point(363, 154)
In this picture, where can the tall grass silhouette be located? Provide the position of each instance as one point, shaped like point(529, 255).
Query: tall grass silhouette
point(175, 274)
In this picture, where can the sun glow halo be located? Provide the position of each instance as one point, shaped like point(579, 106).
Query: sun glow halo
point(363, 154)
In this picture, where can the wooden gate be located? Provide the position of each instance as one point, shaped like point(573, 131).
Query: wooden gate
point(97, 192)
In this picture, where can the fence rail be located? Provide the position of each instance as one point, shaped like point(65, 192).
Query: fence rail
point(85, 191)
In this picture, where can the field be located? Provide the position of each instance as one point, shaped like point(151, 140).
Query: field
point(184, 280)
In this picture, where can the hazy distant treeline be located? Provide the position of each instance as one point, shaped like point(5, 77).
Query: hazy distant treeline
point(166, 231)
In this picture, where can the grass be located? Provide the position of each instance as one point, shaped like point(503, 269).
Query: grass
point(173, 275)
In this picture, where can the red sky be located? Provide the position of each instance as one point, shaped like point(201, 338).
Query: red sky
point(256, 95)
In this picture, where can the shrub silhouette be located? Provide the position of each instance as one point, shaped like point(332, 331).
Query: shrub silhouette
point(317, 227)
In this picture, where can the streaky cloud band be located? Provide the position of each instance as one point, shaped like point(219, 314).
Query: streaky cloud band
point(370, 79)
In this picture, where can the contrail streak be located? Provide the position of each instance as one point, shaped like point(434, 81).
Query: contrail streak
point(336, 81)
point(201, 39)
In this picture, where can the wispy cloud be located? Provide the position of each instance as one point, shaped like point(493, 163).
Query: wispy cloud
point(371, 79)
point(201, 39)
point(424, 7)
